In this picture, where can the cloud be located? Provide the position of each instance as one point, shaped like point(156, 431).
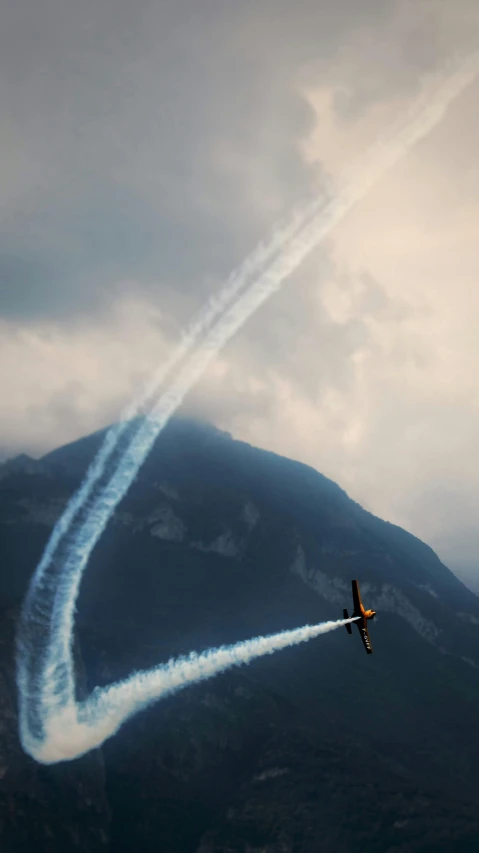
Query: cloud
point(392, 416)
point(59, 383)
point(147, 147)
point(156, 142)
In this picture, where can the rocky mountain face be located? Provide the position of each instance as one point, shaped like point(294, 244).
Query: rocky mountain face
point(316, 748)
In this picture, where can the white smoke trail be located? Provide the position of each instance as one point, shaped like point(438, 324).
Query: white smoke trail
point(112, 448)
point(78, 728)
point(45, 672)
point(111, 452)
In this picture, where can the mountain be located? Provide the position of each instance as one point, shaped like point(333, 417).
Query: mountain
point(315, 748)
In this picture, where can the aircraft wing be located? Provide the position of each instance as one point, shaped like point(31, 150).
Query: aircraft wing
point(365, 638)
point(356, 597)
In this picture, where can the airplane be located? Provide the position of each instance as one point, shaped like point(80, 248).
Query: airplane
point(362, 616)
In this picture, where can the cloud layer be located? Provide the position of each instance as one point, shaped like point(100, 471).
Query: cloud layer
point(147, 148)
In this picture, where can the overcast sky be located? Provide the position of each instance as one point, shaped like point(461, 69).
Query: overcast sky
point(147, 146)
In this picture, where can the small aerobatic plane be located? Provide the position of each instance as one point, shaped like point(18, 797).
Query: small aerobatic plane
point(361, 615)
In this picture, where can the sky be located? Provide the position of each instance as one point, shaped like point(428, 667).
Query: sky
point(145, 150)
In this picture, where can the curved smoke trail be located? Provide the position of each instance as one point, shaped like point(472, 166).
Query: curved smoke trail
point(78, 728)
point(45, 671)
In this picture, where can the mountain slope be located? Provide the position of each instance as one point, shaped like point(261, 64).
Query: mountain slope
point(317, 747)
point(45, 809)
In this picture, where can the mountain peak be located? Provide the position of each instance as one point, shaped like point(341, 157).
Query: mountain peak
point(217, 541)
point(22, 464)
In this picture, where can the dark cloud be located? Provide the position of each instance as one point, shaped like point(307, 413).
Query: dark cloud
point(144, 140)
point(78, 254)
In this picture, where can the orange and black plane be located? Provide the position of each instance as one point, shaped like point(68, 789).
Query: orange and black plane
point(361, 615)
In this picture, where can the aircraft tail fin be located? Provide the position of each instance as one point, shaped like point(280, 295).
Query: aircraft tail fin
point(346, 616)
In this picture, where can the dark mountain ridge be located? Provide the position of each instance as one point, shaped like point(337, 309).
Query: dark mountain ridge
point(314, 748)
